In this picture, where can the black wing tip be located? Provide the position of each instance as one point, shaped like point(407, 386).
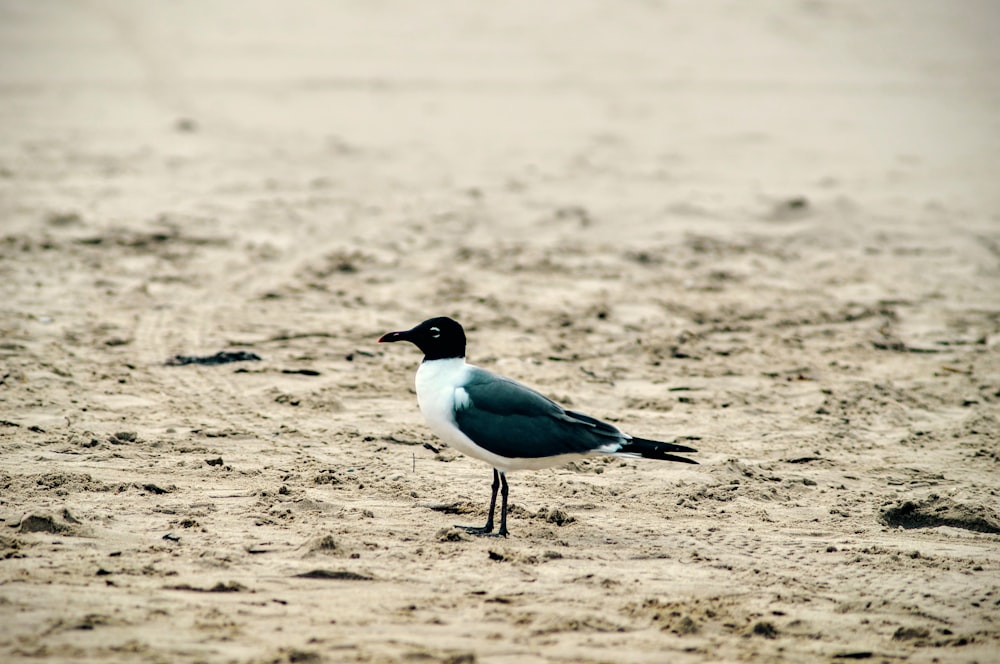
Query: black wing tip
point(663, 456)
point(660, 445)
point(655, 449)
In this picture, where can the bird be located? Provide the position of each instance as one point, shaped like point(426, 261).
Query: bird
point(504, 423)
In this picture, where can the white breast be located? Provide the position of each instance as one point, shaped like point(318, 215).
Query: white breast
point(438, 387)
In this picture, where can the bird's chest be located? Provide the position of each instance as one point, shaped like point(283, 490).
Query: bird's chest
point(438, 385)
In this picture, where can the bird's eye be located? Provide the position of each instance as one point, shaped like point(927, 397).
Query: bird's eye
point(435, 332)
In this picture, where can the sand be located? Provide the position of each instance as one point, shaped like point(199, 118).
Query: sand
point(768, 230)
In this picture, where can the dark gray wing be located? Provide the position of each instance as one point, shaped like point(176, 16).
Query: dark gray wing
point(509, 419)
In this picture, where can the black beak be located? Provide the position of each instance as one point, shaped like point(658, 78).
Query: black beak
point(393, 336)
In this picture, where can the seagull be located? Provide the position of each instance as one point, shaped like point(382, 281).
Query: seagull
point(506, 424)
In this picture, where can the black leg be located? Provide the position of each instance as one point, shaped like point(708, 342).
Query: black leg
point(503, 505)
point(488, 528)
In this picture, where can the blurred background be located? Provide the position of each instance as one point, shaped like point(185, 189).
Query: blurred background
point(712, 104)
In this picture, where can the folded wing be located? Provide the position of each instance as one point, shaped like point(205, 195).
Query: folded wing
point(514, 421)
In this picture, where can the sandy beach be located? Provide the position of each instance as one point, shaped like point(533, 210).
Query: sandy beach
point(768, 230)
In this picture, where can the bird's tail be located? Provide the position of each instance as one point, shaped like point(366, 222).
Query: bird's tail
point(654, 449)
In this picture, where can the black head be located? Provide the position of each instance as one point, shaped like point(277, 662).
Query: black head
point(439, 338)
